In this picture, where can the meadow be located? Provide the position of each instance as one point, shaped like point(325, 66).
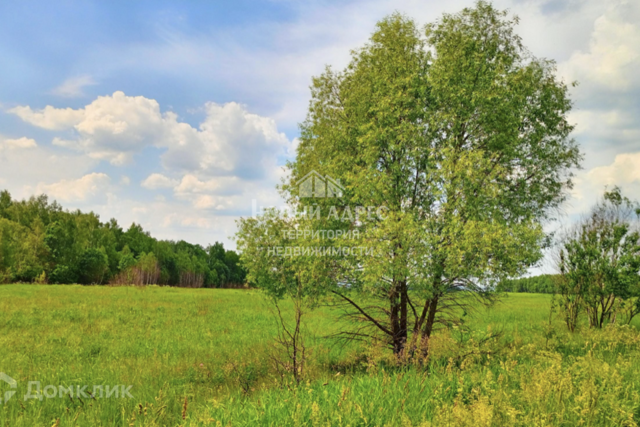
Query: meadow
point(197, 357)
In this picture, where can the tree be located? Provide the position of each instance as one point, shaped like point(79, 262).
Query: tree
point(5, 202)
point(93, 265)
point(148, 269)
point(461, 139)
point(299, 279)
point(63, 274)
point(30, 252)
point(127, 260)
point(599, 262)
point(137, 239)
point(236, 274)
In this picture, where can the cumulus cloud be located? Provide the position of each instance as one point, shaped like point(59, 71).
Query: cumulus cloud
point(156, 181)
point(74, 190)
point(219, 193)
point(624, 170)
point(24, 168)
point(606, 100)
point(18, 144)
point(186, 221)
point(613, 57)
point(72, 87)
point(192, 184)
point(221, 165)
point(49, 117)
point(230, 141)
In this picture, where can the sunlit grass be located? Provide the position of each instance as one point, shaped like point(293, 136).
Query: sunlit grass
point(162, 341)
point(204, 345)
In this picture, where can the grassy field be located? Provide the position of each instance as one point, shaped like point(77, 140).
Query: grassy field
point(210, 348)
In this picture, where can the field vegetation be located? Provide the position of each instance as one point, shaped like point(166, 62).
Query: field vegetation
point(448, 150)
point(512, 364)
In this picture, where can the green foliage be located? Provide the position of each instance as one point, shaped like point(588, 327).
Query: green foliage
point(63, 274)
point(281, 276)
point(599, 262)
point(92, 265)
point(461, 138)
point(127, 259)
point(543, 284)
point(41, 241)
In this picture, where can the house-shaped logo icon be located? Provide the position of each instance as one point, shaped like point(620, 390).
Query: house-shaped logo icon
point(12, 383)
point(314, 184)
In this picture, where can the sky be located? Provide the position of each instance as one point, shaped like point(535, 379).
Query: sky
point(179, 115)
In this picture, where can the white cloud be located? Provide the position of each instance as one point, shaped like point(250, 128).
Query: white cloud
point(156, 180)
point(191, 184)
point(110, 128)
point(230, 141)
point(49, 117)
point(606, 100)
point(18, 144)
point(72, 87)
point(613, 57)
point(23, 166)
point(75, 190)
point(219, 193)
point(186, 221)
point(220, 166)
point(624, 170)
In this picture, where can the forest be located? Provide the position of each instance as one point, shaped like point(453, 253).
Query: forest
point(542, 284)
point(40, 242)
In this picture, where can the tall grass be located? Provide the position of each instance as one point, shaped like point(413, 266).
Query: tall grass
point(200, 357)
point(592, 380)
point(167, 343)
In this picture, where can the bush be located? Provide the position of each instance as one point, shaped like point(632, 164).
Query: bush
point(63, 275)
point(93, 267)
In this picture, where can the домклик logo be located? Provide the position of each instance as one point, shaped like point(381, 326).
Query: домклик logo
point(12, 383)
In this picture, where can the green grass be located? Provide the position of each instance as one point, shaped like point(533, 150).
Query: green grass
point(167, 343)
point(205, 345)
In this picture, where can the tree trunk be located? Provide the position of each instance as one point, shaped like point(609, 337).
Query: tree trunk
point(394, 318)
point(404, 303)
point(431, 317)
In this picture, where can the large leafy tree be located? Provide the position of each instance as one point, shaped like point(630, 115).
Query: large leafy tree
point(460, 136)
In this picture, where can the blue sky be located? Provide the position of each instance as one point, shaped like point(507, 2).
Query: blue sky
point(177, 115)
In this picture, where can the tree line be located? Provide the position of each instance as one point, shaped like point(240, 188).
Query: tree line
point(543, 284)
point(43, 243)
